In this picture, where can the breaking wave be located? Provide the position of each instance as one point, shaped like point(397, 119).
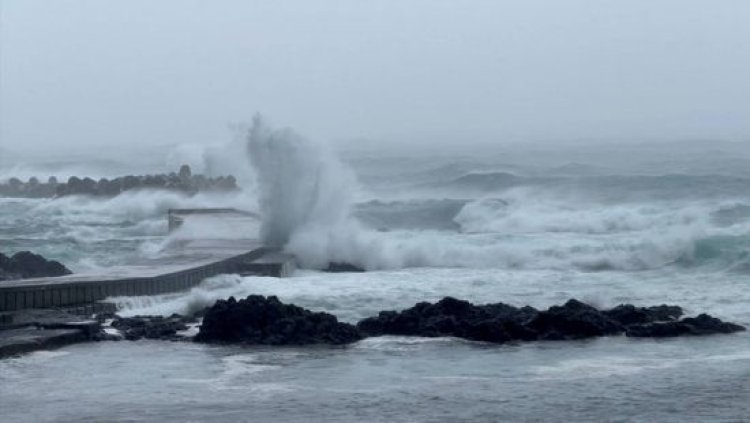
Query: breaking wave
point(302, 185)
point(306, 200)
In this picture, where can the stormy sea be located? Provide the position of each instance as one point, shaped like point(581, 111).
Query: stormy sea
point(605, 223)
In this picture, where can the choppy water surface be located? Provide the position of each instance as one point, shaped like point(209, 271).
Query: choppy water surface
point(403, 378)
point(384, 379)
point(671, 231)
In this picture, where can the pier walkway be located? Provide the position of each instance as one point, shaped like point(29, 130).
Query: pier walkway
point(183, 265)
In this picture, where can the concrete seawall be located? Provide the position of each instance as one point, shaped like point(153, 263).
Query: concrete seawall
point(44, 313)
point(70, 291)
point(181, 264)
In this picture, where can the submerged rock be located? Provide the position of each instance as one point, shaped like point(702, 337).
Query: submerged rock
point(266, 320)
point(26, 264)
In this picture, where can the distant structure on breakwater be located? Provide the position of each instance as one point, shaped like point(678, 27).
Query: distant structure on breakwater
point(183, 181)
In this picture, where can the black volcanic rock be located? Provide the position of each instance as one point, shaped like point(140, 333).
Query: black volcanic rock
point(573, 320)
point(4, 261)
point(628, 314)
point(26, 264)
point(452, 317)
point(339, 267)
point(266, 320)
point(503, 323)
point(701, 325)
point(151, 327)
point(260, 320)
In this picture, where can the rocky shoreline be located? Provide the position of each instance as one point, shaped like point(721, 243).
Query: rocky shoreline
point(259, 320)
point(25, 264)
point(183, 181)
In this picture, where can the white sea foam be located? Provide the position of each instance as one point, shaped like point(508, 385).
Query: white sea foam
point(188, 302)
point(306, 196)
point(601, 367)
point(524, 210)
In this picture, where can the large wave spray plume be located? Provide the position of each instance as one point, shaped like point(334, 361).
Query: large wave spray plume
point(302, 185)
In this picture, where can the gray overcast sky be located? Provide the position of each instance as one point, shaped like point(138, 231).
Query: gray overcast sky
point(177, 71)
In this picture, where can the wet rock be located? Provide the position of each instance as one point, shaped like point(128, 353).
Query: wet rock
point(38, 329)
point(573, 320)
point(266, 320)
point(339, 267)
point(500, 322)
point(704, 324)
point(26, 264)
point(628, 314)
point(103, 317)
point(4, 264)
point(452, 317)
point(150, 327)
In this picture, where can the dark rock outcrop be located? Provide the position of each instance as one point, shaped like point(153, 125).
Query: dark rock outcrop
point(339, 267)
point(502, 323)
point(260, 320)
point(266, 320)
point(151, 327)
point(628, 314)
point(701, 325)
point(452, 317)
point(28, 330)
point(26, 264)
point(573, 320)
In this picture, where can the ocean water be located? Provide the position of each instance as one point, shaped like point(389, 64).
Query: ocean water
point(537, 227)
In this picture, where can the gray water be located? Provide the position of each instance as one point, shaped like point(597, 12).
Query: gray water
point(385, 379)
point(671, 229)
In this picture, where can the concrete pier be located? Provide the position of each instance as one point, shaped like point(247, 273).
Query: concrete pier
point(43, 313)
point(33, 330)
point(186, 268)
point(181, 265)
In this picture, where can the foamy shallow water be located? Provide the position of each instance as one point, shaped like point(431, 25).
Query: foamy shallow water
point(353, 296)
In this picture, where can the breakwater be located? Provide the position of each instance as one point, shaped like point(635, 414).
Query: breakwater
point(184, 182)
point(76, 290)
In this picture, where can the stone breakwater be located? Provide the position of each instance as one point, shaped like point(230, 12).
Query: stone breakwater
point(26, 264)
point(183, 181)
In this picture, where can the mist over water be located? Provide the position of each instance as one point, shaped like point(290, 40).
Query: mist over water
point(494, 209)
point(536, 229)
point(524, 152)
point(453, 216)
